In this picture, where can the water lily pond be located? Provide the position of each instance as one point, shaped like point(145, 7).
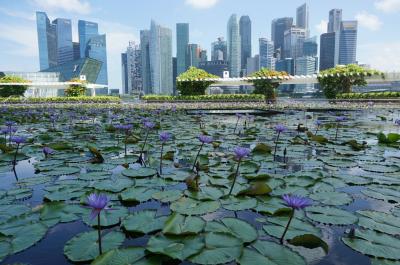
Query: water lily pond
point(168, 186)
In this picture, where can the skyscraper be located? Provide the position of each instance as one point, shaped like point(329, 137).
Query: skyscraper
point(65, 50)
point(47, 41)
point(203, 55)
point(124, 73)
point(96, 49)
point(193, 55)
point(278, 28)
point(234, 46)
point(267, 59)
point(335, 19)
point(253, 64)
point(219, 50)
point(302, 18)
point(145, 60)
point(182, 41)
point(161, 59)
point(348, 42)
point(133, 78)
point(305, 66)
point(245, 39)
point(293, 44)
point(329, 50)
point(86, 30)
point(310, 47)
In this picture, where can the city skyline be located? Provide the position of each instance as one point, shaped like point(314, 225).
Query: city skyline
point(119, 31)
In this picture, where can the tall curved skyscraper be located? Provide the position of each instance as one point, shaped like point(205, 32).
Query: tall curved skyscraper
point(245, 39)
point(234, 49)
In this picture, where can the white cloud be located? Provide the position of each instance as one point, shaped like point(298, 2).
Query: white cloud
point(23, 37)
point(369, 21)
point(322, 26)
point(384, 56)
point(388, 6)
point(74, 6)
point(201, 4)
point(18, 14)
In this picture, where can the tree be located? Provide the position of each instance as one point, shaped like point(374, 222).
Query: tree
point(14, 90)
point(76, 90)
point(341, 79)
point(192, 81)
point(267, 86)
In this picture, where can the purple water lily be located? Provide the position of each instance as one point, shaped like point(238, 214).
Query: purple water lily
point(47, 151)
point(18, 139)
point(204, 139)
point(397, 122)
point(98, 203)
point(149, 125)
point(240, 153)
point(338, 119)
point(296, 203)
point(280, 128)
point(165, 137)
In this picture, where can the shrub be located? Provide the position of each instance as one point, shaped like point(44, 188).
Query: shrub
point(220, 97)
point(81, 99)
point(341, 79)
point(267, 87)
point(7, 91)
point(76, 90)
point(190, 85)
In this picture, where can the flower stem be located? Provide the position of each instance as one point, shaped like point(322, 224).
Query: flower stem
point(15, 156)
point(198, 153)
point(287, 227)
point(234, 131)
point(144, 144)
point(99, 233)
point(162, 147)
point(337, 129)
point(276, 144)
point(234, 178)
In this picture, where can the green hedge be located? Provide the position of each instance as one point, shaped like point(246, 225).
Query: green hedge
point(81, 99)
point(218, 97)
point(369, 95)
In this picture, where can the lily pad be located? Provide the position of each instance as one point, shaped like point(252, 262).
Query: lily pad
point(144, 222)
point(330, 215)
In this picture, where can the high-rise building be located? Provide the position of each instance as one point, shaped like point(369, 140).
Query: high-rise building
point(306, 65)
point(97, 49)
point(56, 47)
point(132, 75)
point(124, 73)
point(77, 51)
point(161, 59)
point(253, 64)
point(278, 28)
point(47, 41)
point(65, 50)
point(266, 57)
point(302, 18)
point(293, 44)
point(310, 47)
point(286, 65)
point(174, 73)
point(234, 49)
point(86, 30)
point(348, 42)
point(219, 50)
point(193, 55)
point(245, 39)
point(182, 41)
point(335, 19)
point(329, 50)
point(145, 60)
point(203, 56)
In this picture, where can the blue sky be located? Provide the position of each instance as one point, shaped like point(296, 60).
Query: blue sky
point(121, 20)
